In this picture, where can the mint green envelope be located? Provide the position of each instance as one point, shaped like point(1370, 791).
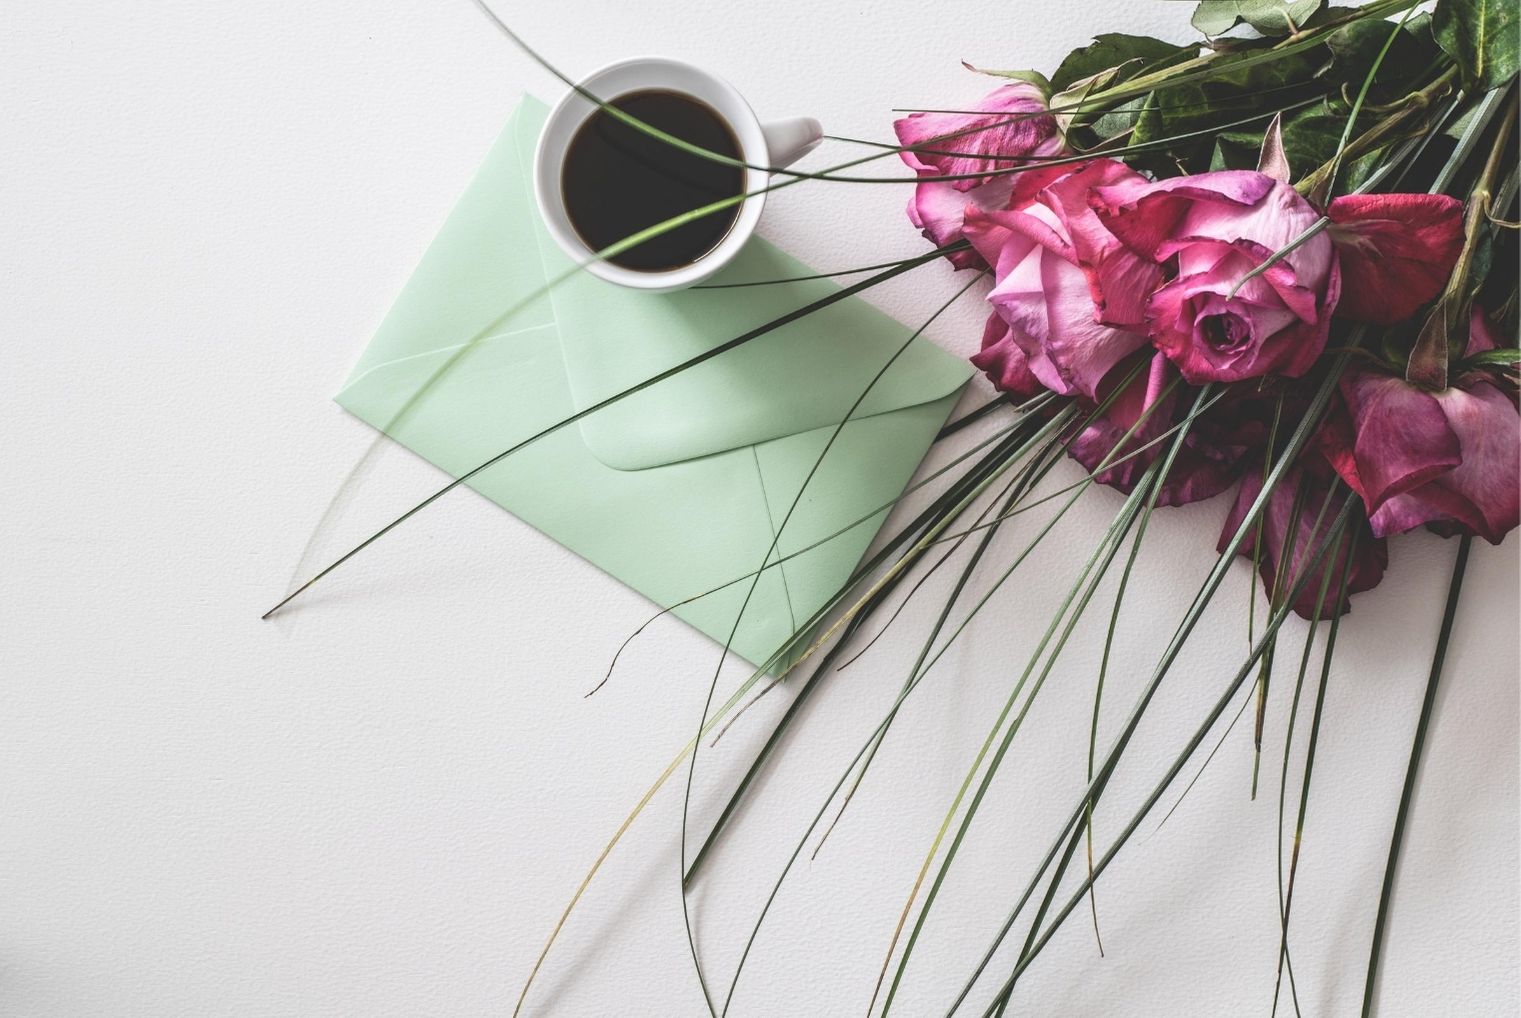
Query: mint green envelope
point(678, 488)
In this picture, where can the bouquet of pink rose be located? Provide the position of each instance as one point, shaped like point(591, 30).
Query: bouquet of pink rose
point(1224, 297)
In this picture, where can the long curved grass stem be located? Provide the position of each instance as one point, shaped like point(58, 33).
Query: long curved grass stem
point(1412, 770)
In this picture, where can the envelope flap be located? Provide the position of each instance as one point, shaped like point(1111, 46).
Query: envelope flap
point(802, 376)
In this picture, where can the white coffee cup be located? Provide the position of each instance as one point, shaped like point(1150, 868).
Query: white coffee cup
point(761, 146)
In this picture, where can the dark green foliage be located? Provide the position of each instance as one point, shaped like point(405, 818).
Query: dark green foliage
point(1481, 35)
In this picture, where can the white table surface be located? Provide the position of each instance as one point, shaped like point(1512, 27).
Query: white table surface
point(378, 805)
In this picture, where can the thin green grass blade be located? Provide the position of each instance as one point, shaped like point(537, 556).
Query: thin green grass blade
point(978, 480)
point(1055, 426)
point(1286, 893)
point(1010, 496)
point(1098, 689)
point(1297, 440)
point(1109, 543)
point(686, 801)
point(579, 415)
point(1412, 770)
point(1155, 483)
point(1061, 868)
point(818, 817)
point(1338, 525)
point(856, 575)
point(1282, 574)
point(1131, 506)
point(1267, 461)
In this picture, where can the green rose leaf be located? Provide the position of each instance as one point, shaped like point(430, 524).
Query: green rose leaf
point(1481, 35)
point(1355, 46)
point(1311, 138)
point(1234, 89)
point(1110, 50)
point(1270, 17)
point(1122, 118)
point(1035, 78)
point(1503, 356)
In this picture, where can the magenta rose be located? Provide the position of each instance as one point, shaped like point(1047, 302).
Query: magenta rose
point(1011, 126)
point(1135, 425)
point(1449, 459)
point(1047, 252)
point(1209, 231)
point(1297, 540)
point(1239, 422)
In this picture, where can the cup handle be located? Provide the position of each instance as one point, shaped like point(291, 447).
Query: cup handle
point(787, 141)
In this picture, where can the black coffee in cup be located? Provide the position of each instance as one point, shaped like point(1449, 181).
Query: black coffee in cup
point(617, 180)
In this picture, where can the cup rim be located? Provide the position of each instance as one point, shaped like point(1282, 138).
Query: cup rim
point(753, 150)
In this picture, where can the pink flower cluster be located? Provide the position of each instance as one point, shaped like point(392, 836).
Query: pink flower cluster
point(1106, 280)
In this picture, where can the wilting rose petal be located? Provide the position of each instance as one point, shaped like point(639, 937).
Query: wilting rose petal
point(1400, 436)
point(1304, 539)
point(938, 210)
point(1150, 405)
point(1212, 230)
point(1010, 128)
point(1237, 427)
point(1482, 334)
point(1396, 251)
point(1480, 495)
point(1450, 459)
point(1145, 215)
point(1010, 123)
point(1130, 278)
point(1004, 362)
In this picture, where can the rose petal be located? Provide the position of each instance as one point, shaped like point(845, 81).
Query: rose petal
point(1193, 477)
point(1145, 215)
point(1011, 123)
point(1304, 540)
point(1396, 251)
point(1004, 362)
point(1281, 344)
point(1483, 336)
point(1119, 280)
point(1045, 298)
point(1401, 436)
point(1482, 493)
point(1082, 350)
point(939, 210)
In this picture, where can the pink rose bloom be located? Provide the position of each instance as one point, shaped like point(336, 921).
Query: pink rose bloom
point(1012, 126)
point(1305, 541)
point(1149, 407)
point(1047, 252)
point(1209, 231)
point(1448, 459)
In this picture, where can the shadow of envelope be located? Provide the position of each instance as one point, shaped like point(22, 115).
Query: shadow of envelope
point(677, 489)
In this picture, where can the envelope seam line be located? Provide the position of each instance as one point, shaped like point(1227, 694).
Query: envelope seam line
point(776, 539)
point(452, 348)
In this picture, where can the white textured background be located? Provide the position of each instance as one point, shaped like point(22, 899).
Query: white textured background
point(379, 805)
